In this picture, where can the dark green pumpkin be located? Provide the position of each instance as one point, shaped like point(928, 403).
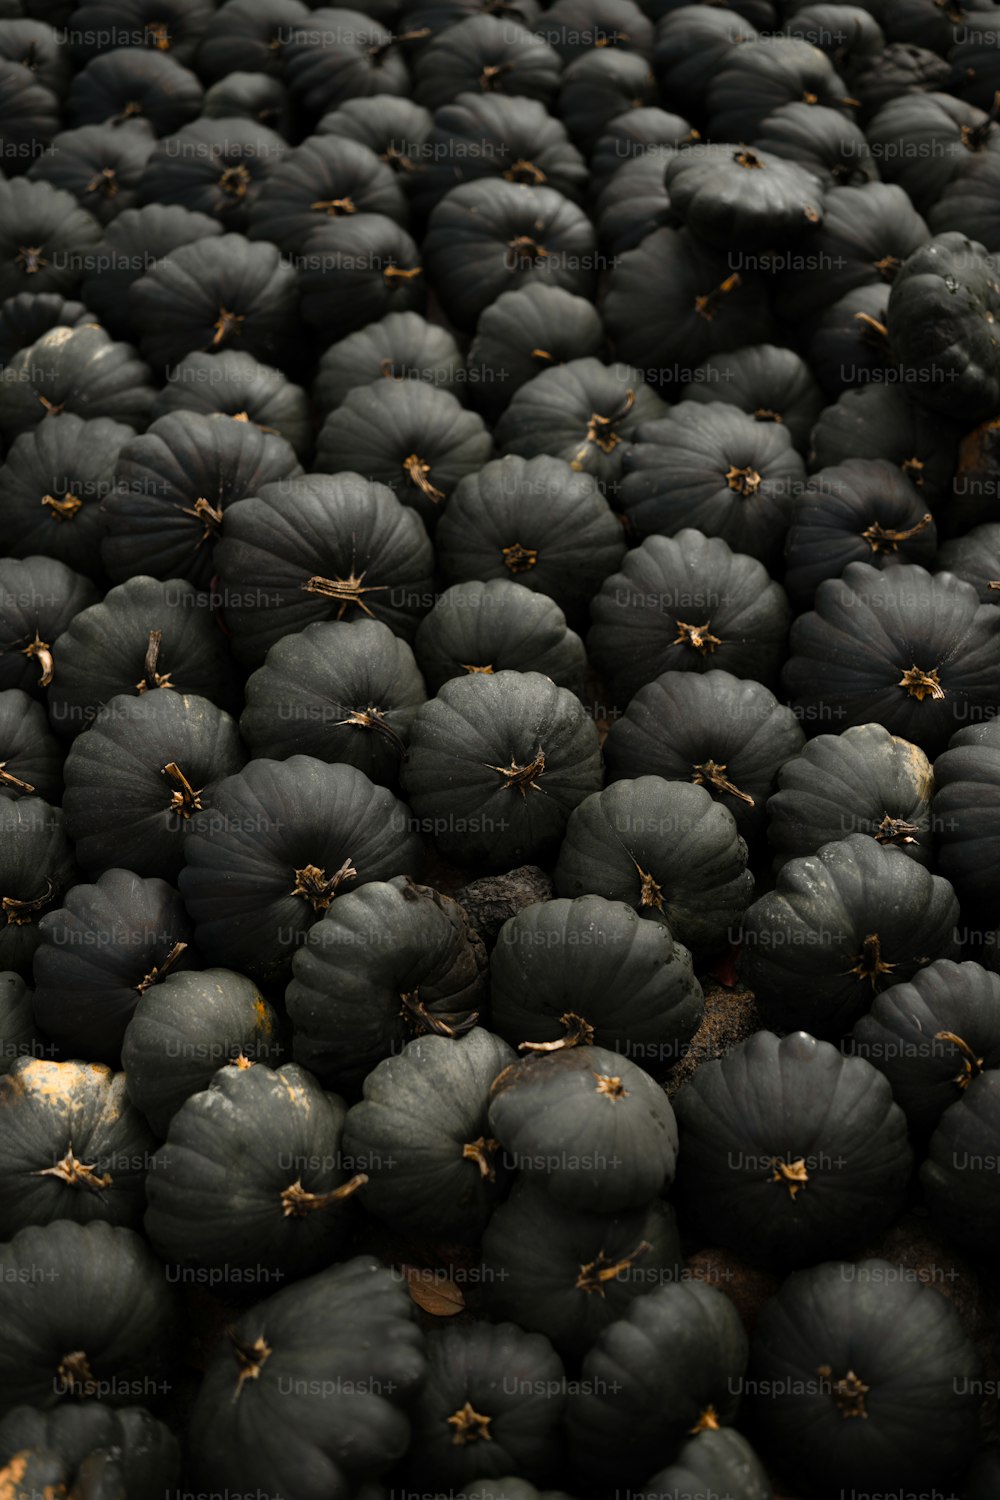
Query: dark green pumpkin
point(966, 804)
point(123, 254)
point(389, 962)
point(173, 26)
point(338, 691)
point(632, 135)
point(78, 370)
point(35, 44)
point(324, 178)
point(850, 344)
point(901, 68)
point(789, 1151)
point(569, 1273)
point(756, 78)
point(214, 167)
point(393, 127)
point(93, 1445)
point(18, 1033)
point(36, 868)
point(422, 1131)
point(184, 1030)
point(878, 420)
point(131, 83)
point(356, 57)
point(280, 1206)
point(239, 386)
point(728, 194)
point(98, 955)
point(25, 316)
point(256, 97)
point(770, 383)
point(818, 140)
point(40, 218)
point(598, 86)
point(282, 839)
point(841, 926)
point(31, 758)
point(344, 1345)
point(922, 140)
point(400, 346)
point(574, 27)
point(247, 36)
point(74, 1146)
point(689, 50)
point(486, 52)
point(498, 626)
point(716, 1461)
point(975, 557)
point(959, 1177)
point(355, 269)
point(495, 766)
point(99, 165)
point(39, 598)
point(634, 203)
point(87, 1312)
point(932, 1037)
point(590, 971)
point(861, 1375)
point(728, 735)
point(968, 203)
point(525, 332)
point(864, 780)
point(589, 1126)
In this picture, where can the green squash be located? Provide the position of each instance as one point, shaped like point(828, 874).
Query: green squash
point(524, 332)
point(498, 626)
point(960, 1176)
point(878, 420)
point(400, 346)
point(93, 1445)
point(769, 382)
point(422, 1132)
point(31, 758)
point(388, 962)
point(39, 597)
point(729, 194)
point(36, 869)
point(568, 1273)
point(18, 1034)
point(238, 385)
point(965, 810)
point(82, 372)
point(717, 1461)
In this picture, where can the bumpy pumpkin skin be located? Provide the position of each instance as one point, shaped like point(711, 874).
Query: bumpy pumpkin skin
point(345, 1346)
point(821, 1163)
point(959, 1176)
point(966, 807)
point(141, 1453)
point(718, 1461)
point(74, 1147)
point(933, 1037)
point(840, 926)
point(875, 1366)
point(569, 1273)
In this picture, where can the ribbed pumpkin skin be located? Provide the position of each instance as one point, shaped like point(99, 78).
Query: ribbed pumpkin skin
point(37, 866)
point(715, 1460)
point(30, 755)
point(959, 1176)
point(498, 626)
point(90, 1440)
point(18, 1033)
point(39, 597)
point(966, 809)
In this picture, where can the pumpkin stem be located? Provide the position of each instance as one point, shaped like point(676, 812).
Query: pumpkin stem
point(881, 540)
point(373, 718)
point(30, 259)
point(748, 159)
point(994, 584)
point(312, 883)
point(9, 779)
point(522, 777)
point(159, 35)
point(23, 913)
point(42, 652)
point(226, 324)
point(64, 509)
point(974, 137)
point(421, 1020)
point(50, 406)
point(869, 963)
point(209, 515)
point(595, 1275)
point(896, 831)
point(160, 971)
point(745, 481)
point(609, 1087)
point(490, 77)
point(707, 1422)
point(481, 1152)
point(972, 1065)
point(519, 559)
point(296, 1202)
point(599, 431)
point(251, 1359)
point(707, 305)
point(542, 354)
point(184, 800)
point(525, 250)
point(470, 1426)
point(887, 267)
point(578, 1033)
point(76, 1173)
point(417, 471)
point(792, 1174)
point(711, 774)
point(236, 181)
point(920, 684)
point(345, 591)
point(127, 112)
point(525, 171)
point(697, 636)
point(396, 274)
point(151, 678)
point(849, 1393)
point(914, 468)
point(474, 671)
point(765, 414)
point(75, 1375)
point(105, 182)
point(873, 325)
point(651, 892)
point(334, 207)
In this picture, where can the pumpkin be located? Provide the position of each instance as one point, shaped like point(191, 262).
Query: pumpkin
point(634, 204)
point(36, 46)
point(87, 1312)
point(338, 54)
point(913, 651)
point(841, 926)
point(214, 167)
point(850, 343)
point(339, 692)
point(248, 36)
point(568, 1273)
point(924, 25)
point(29, 117)
point(901, 68)
point(31, 758)
point(145, 634)
point(702, 306)
point(277, 845)
point(880, 421)
point(818, 1164)
point(536, 522)
point(725, 193)
point(968, 202)
point(185, 1029)
point(730, 736)
point(973, 58)
point(974, 557)
point(834, 1353)
point(97, 956)
point(492, 1404)
point(435, 16)
point(589, 1126)
point(324, 178)
point(130, 84)
point(687, 604)
point(395, 129)
point(421, 1130)
point(486, 54)
point(866, 234)
point(388, 962)
point(132, 243)
point(36, 868)
point(489, 237)
point(18, 1033)
point(583, 412)
point(39, 597)
point(950, 285)
point(597, 86)
point(922, 140)
point(166, 506)
point(323, 547)
point(237, 385)
point(399, 346)
point(689, 50)
point(715, 1461)
point(864, 780)
point(354, 269)
point(849, 34)
point(632, 135)
point(100, 165)
point(77, 370)
point(408, 435)
point(573, 27)
point(89, 1441)
point(756, 78)
point(214, 293)
point(345, 1345)
point(769, 383)
point(53, 482)
point(27, 315)
point(964, 809)
point(496, 764)
point(174, 26)
point(74, 1147)
point(959, 1176)
point(281, 1207)
point(818, 141)
point(862, 510)
point(672, 1363)
point(492, 135)
point(668, 850)
point(712, 468)
point(932, 1037)
point(499, 626)
point(255, 97)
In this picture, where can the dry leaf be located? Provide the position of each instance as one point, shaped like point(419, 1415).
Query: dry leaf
point(433, 1292)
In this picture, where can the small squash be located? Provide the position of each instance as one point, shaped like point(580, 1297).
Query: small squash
point(130, 83)
point(878, 420)
point(39, 599)
point(525, 332)
point(499, 626)
point(354, 269)
point(324, 178)
point(79, 370)
point(959, 1176)
point(965, 809)
point(99, 165)
point(239, 386)
point(131, 242)
point(36, 868)
point(93, 1444)
point(770, 383)
point(486, 54)
point(399, 346)
point(18, 1033)
point(31, 758)
point(717, 1460)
